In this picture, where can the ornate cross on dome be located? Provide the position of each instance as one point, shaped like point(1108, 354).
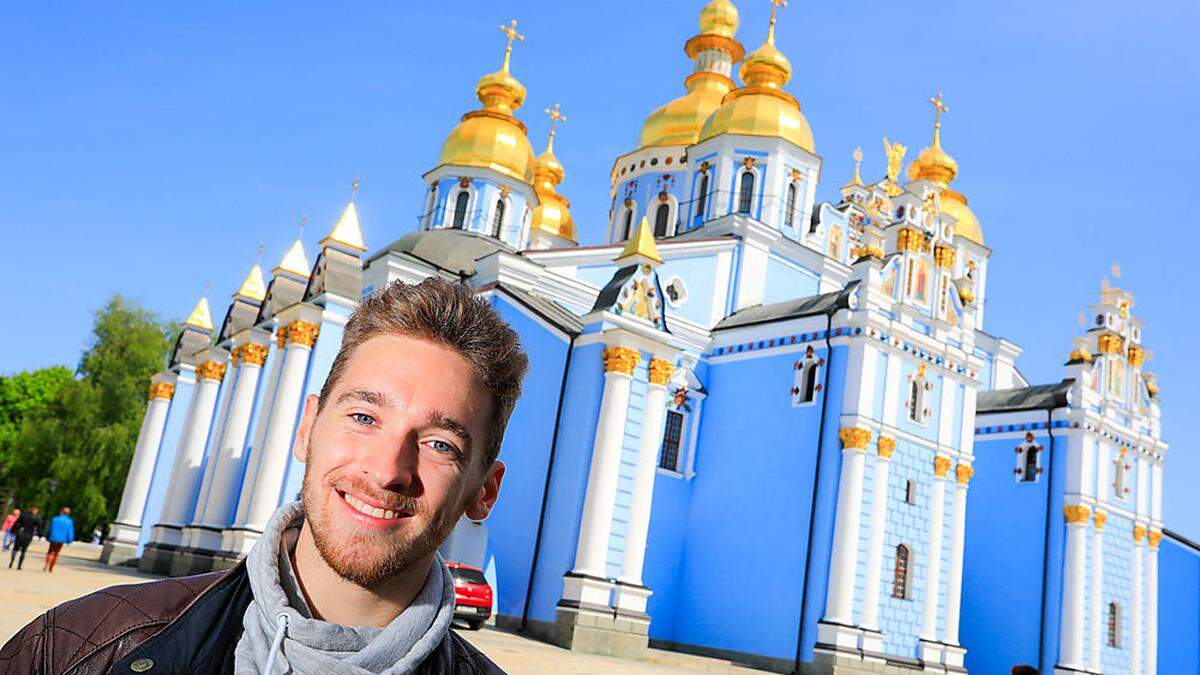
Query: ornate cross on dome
point(303, 220)
point(858, 158)
point(555, 117)
point(354, 187)
point(775, 5)
point(939, 107)
point(511, 31)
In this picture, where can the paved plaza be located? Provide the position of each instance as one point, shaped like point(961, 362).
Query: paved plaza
point(26, 593)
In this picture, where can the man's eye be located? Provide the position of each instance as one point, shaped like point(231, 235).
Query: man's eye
point(441, 446)
point(363, 418)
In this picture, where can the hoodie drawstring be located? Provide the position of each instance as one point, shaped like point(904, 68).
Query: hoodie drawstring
point(281, 622)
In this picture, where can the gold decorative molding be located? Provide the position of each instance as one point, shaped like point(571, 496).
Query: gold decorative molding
point(944, 256)
point(163, 390)
point(1110, 343)
point(1099, 518)
point(281, 337)
point(887, 445)
point(1076, 514)
point(855, 437)
point(621, 360)
point(908, 239)
point(661, 371)
point(963, 473)
point(1137, 355)
point(941, 466)
point(251, 353)
point(1153, 537)
point(1139, 533)
point(210, 370)
point(302, 333)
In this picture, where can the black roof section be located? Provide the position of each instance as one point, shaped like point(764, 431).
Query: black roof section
point(447, 249)
point(813, 305)
point(612, 290)
point(1040, 397)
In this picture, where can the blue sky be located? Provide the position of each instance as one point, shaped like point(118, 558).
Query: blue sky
point(147, 148)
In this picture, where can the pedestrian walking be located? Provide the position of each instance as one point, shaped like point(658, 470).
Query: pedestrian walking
point(60, 532)
point(27, 525)
point(6, 531)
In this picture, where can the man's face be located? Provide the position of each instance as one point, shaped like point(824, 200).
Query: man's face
point(395, 457)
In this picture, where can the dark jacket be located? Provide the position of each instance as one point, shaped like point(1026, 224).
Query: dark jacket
point(184, 625)
point(26, 527)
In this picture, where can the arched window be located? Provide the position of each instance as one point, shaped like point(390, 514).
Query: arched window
point(1120, 477)
point(914, 401)
point(804, 383)
point(746, 193)
point(900, 587)
point(810, 383)
point(1114, 625)
point(1031, 462)
point(460, 210)
point(627, 226)
point(910, 491)
point(789, 216)
point(702, 201)
point(498, 218)
point(661, 217)
point(668, 457)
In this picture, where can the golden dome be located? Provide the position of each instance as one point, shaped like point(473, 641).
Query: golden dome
point(492, 138)
point(967, 225)
point(761, 107)
point(553, 213)
point(719, 17)
point(939, 168)
point(933, 164)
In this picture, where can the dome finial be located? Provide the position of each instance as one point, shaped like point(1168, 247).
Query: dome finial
point(511, 31)
point(775, 5)
point(939, 107)
point(858, 158)
point(555, 117)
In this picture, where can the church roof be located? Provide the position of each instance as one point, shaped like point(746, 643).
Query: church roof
point(813, 305)
point(1040, 397)
point(612, 290)
point(448, 249)
point(547, 309)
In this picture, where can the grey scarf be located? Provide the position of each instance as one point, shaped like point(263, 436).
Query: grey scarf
point(279, 630)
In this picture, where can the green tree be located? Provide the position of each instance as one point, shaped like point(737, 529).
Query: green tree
point(21, 396)
point(75, 449)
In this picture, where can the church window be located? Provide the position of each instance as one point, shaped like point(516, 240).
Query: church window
point(1120, 477)
point(922, 289)
point(789, 215)
point(900, 213)
point(835, 242)
point(627, 225)
point(746, 193)
point(498, 218)
point(806, 382)
point(460, 210)
point(1028, 455)
point(1114, 625)
point(900, 586)
point(661, 218)
point(702, 200)
point(910, 491)
point(672, 438)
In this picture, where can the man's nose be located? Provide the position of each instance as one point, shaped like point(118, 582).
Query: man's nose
point(392, 462)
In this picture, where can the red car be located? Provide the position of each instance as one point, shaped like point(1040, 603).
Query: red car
point(472, 595)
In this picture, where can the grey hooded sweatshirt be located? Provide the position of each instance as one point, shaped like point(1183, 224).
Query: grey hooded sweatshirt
point(280, 635)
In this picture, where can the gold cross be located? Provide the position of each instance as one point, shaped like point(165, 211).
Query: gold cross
point(303, 220)
point(354, 187)
point(775, 5)
point(511, 31)
point(555, 117)
point(939, 107)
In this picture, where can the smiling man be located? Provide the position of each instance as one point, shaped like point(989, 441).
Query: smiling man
point(402, 442)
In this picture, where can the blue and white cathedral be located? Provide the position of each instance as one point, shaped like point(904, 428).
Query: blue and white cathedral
point(756, 426)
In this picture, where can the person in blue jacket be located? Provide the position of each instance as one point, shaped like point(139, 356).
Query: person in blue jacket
point(61, 531)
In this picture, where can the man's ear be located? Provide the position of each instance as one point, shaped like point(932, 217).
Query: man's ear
point(485, 497)
point(300, 445)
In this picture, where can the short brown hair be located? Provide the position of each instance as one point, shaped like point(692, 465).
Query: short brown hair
point(449, 314)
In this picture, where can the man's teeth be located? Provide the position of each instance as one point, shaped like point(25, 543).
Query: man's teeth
point(367, 509)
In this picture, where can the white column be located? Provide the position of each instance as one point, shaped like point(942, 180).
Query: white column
point(215, 509)
point(1135, 641)
point(596, 523)
point(870, 607)
point(933, 555)
point(141, 468)
point(260, 491)
point(958, 530)
point(643, 478)
point(1096, 612)
point(1070, 653)
point(1152, 603)
point(185, 475)
point(839, 596)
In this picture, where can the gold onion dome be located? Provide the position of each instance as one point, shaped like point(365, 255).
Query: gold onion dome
point(936, 166)
point(492, 138)
point(760, 107)
point(679, 122)
point(553, 213)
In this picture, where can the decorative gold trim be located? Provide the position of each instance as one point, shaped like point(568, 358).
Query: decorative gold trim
point(855, 437)
point(941, 466)
point(963, 473)
point(1137, 355)
point(1110, 343)
point(1076, 513)
point(944, 256)
point(210, 370)
point(163, 390)
point(661, 371)
point(251, 353)
point(1099, 518)
point(281, 337)
point(1139, 533)
point(302, 333)
point(1153, 537)
point(887, 445)
point(621, 360)
point(908, 239)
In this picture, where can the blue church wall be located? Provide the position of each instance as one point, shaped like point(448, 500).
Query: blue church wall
point(164, 459)
point(764, 472)
point(786, 281)
point(664, 551)
point(696, 217)
point(932, 401)
point(699, 277)
point(1117, 586)
point(644, 190)
point(484, 194)
point(1178, 607)
point(512, 524)
point(736, 168)
point(568, 482)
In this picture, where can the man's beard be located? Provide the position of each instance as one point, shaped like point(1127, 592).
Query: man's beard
point(353, 555)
